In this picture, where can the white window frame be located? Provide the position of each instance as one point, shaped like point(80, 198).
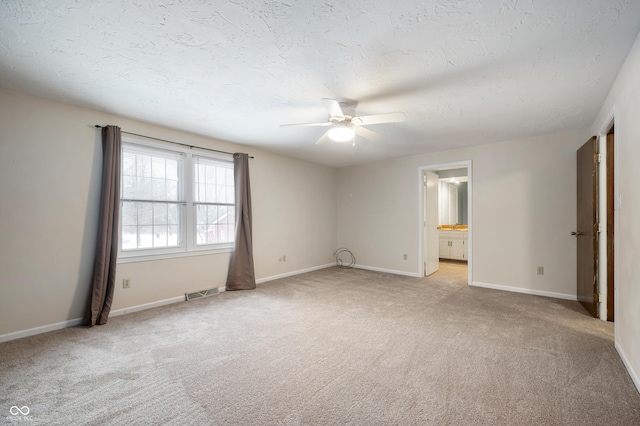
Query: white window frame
point(188, 226)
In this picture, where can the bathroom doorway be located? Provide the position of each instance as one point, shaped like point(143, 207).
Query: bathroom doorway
point(445, 217)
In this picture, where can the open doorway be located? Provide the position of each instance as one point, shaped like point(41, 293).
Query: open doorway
point(445, 212)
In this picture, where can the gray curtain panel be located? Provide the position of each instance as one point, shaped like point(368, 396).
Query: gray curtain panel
point(241, 273)
point(104, 269)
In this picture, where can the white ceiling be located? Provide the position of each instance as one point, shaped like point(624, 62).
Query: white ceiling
point(465, 72)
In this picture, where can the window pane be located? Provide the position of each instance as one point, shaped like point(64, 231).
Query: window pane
point(142, 188)
point(172, 190)
point(223, 236)
point(231, 212)
point(159, 225)
point(221, 196)
point(173, 236)
point(202, 173)
point(221, 175)
point(158, 189)
point(172, 169)
point(231, 224)
point(211, 222)
point(143, 165)
point(128, 164)
point(173, 214)
point(200, 194)
point(201, 215)
point(151, 174)
point(201, 234)
point(157, 168)
point(210, 193)
point(215, 224)
point(213, 181)
point(231, 195)
point(129, 237)
point(160, 214)
point(213, 235)
point(145, 236)
point(128, 186)
point(222, 214)
point(129, 213)
point(160, 235)
point(212, 214)
point(145, 213)
point(211, 175)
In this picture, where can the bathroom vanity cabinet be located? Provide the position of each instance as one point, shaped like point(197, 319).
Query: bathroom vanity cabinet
point(453, 245)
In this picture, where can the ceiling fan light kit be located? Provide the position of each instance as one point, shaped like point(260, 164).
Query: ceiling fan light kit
point(341, 133)
point(345, 125)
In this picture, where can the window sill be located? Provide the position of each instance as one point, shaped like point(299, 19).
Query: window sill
point(151, 257)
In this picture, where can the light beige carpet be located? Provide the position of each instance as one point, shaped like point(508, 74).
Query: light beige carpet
point(336, 346)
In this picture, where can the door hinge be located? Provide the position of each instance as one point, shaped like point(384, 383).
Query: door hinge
point(596, 298)
point(597, 158)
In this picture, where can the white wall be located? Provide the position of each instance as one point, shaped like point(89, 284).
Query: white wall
point(524, 208)
point(50, 161)
point(624, 97)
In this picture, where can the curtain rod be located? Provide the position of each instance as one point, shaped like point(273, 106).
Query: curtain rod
point(176, 143)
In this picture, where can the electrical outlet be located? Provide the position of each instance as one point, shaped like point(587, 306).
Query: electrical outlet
point(126, 283)
point(540, 270)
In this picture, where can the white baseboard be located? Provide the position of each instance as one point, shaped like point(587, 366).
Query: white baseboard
point(145, 306)
point(39, 330)
point(123, 311)
point(388, 271)
point(78, 321)
point(627, 364)
point(290, 274)
point(525, 291)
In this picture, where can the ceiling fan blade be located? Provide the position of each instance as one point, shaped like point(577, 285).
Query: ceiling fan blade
point(333, 107)
point(324, 138)
point(366, 133)
point(389, 117)
point(328, 123)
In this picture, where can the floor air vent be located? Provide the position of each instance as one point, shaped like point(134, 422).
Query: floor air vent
point(200, 294)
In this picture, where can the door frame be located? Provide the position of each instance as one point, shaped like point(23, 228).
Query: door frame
point(434, 167)
point(430, 237)
point(605, 127)
point(587, 230)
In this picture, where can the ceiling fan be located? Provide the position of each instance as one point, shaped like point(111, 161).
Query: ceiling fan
point(344, 123)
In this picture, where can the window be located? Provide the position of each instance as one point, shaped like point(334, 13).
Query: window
point(152, 198)
point(213, 200)
point(173, 201)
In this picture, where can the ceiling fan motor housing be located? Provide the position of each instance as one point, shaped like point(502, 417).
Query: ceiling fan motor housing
point(348, 110)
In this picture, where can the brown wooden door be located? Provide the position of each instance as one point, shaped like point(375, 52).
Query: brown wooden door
point(587, 232)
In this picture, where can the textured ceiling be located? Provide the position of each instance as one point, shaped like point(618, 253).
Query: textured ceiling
point(465, 72)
